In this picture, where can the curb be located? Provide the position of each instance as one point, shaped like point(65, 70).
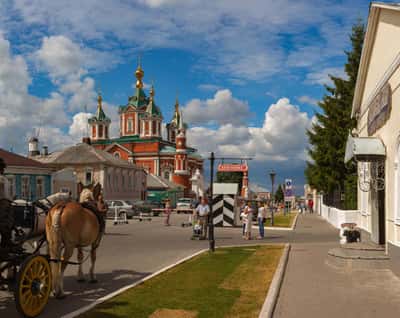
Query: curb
point(268, 307)
point(125, 288)
point(275, 228)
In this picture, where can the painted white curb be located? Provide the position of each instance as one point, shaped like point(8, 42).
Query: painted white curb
point(121, 290)
point(268, 307)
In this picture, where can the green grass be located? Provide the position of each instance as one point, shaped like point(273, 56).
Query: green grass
point(230, 282)
point(281, 220)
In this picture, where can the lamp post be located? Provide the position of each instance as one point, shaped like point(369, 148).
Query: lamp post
point(272, 175)
point(211, 239)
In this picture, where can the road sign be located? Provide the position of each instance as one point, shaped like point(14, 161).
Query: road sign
point(232, 167)
point(288, 184)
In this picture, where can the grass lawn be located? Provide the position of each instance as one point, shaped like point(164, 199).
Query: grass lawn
point(232, 282)
point(281, 220)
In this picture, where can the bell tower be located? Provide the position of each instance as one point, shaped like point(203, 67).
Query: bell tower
point(181, 174)
point(100, 123)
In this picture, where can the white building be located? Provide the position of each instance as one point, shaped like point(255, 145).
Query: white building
point(375, 144)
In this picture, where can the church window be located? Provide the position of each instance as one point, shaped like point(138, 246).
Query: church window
point(117, 154)
point(100, 131)
point(173, 135)
point(130, 125)
point(154, 127)
point(146, 128)
point(93, 132)
point(166, 175)
point(159, 128)
point(106, 131)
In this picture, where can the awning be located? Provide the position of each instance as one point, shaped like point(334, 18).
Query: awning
point(364, 149)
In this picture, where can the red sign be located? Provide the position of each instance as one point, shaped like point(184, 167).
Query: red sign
point(232, 167)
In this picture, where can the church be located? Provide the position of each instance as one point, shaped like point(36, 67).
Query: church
point(140, 138)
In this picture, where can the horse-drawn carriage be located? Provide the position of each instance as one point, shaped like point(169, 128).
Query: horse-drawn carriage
point(23, 269)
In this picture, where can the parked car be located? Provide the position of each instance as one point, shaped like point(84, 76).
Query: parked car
point(184, 205)
point(141, 206)
point(120, 207)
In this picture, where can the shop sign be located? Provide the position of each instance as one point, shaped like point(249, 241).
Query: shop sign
point(379, 109)
point(232, 167)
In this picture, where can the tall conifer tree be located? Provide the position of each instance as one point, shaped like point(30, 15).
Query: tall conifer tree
point(327, 171)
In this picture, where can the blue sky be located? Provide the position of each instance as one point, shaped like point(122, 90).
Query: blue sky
point(248, 74)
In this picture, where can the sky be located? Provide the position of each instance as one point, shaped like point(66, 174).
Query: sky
point(248, 74)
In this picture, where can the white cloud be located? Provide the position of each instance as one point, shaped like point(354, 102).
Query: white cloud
point(242, 40)
point(321, 77)
point(208, 87)
point(223, 108)
point(282, 136)
point(22, 114)
point(308, 100)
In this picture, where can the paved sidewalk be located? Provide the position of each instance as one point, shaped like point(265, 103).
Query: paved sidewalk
point(312, 287)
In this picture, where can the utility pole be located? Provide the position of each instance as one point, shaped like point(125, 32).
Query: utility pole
point(272, 175)
point(211, 239)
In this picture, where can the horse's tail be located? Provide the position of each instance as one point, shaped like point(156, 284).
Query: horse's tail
point(53, 224)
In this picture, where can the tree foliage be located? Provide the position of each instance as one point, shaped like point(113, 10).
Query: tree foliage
point(279, 195)
point(327, 171)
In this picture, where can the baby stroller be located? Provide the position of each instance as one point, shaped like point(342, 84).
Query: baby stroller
point(197, 230)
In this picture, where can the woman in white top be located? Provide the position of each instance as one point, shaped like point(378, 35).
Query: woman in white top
point(249, 215)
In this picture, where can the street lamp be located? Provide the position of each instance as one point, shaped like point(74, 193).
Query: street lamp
point(272, 175)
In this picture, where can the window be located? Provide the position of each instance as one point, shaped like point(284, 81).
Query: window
point(88, 177)
point(39, 188)
point(106, 131)
point(166, 175)
point(100, 131)
point(94, 132)
point(146, 128)
point(11, 184)
point(25, 193)
point(154, 127)
point(117, 154)
point(130, 125)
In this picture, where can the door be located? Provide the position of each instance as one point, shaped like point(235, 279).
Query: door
point(378, 218)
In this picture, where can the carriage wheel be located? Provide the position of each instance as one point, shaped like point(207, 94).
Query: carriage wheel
point(33, 286)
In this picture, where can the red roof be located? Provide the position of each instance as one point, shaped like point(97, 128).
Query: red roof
point(14, 160)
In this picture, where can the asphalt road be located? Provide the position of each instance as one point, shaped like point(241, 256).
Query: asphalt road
point(130, 252)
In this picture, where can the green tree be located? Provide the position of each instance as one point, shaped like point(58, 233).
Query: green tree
point(327, 171)
point(230, 177)
point(279, 195)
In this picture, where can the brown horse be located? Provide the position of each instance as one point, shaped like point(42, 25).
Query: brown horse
point(69, 226)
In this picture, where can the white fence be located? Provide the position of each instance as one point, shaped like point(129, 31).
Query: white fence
point(337, 217)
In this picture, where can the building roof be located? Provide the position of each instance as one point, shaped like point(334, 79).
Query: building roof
point(13, 160)
point(86, 154)
point(369, 39)
point(157, 182)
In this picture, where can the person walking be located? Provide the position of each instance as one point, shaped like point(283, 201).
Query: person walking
point(248, 211)
point(261, 216)
point(311, 205)
point(167, 212)
point(202, 211)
